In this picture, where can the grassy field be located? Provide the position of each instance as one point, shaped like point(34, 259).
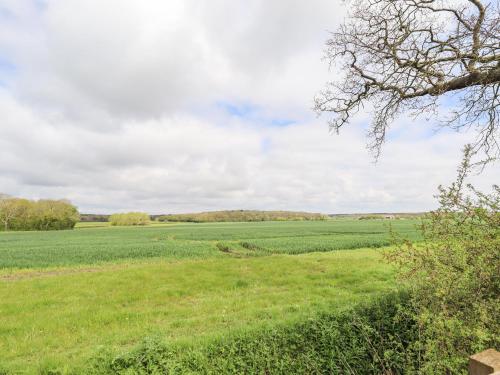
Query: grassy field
point(63, 295)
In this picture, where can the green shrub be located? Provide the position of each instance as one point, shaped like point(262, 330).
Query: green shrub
point(454, 276)
point(371, 339)
point(130, 218)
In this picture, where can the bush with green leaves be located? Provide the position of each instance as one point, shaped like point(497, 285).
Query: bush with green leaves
point(454, 277)
point(130, 218)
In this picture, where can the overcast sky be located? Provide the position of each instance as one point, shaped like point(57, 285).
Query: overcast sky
point(181, 106)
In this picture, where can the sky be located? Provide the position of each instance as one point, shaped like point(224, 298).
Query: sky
point(185, 106)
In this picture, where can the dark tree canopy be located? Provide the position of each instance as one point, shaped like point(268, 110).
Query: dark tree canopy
point(401, 56)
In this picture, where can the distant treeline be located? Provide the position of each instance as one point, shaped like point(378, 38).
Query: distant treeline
point(25, 214)
point(94, 218)
point(241, 215)
point(379, 216)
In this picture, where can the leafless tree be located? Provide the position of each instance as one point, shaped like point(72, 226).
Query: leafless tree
point(402, 56)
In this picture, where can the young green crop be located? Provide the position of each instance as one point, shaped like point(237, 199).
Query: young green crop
point(92, 245)
point(95, 245)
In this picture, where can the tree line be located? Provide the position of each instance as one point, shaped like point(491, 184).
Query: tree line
point(241, 215)
point(89, 218)
point(45, 214)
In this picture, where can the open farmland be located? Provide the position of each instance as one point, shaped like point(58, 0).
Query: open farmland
point(95, 243)
point(66, 295)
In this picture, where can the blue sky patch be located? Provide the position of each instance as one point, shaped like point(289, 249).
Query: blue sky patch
point(5, 13)
point(6, 66)
point(7, 70)
point(266, 144)
point(282, 122)
point(238, 110)
point(253, 113)
point(40, 4)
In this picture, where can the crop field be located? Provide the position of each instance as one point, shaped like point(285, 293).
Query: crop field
point(65, 295)
point(97, 243)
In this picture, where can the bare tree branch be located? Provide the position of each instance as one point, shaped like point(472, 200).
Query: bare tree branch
point(402, 55)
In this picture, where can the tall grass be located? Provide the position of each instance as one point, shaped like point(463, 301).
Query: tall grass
point(373, 338)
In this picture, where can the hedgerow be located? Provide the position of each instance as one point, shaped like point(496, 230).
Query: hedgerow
point(454, 276)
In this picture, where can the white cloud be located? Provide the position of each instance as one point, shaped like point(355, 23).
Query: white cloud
point(114, 105)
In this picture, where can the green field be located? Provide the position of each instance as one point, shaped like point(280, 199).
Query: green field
point(64, 295)
point(96, 242)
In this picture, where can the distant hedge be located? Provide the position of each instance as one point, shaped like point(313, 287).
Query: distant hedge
point(129, 218)
point(242, 215)
point(23, 214)
point(96, 218)
point(373, 339)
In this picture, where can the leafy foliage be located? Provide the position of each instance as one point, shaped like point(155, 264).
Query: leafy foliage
point(23, 214)
point(454, 276)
